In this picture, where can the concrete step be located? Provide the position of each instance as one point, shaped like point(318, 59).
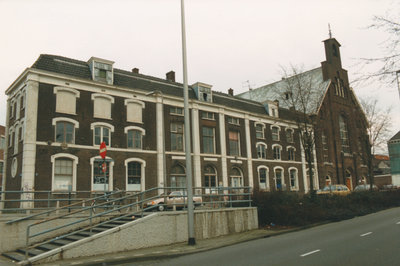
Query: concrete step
point(62, 242)
point(15, 256)
point(48, 247)
point(74, 237)
point(32, 252)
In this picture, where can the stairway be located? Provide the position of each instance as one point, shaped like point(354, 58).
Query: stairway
point(19, 255)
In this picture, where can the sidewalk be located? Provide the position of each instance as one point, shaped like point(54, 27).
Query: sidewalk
point(170, 251)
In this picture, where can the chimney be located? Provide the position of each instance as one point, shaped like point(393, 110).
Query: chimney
point(230, 92)
point(135, 70)
point(171, 76)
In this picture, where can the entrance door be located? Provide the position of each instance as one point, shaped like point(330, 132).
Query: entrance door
point(348, 179)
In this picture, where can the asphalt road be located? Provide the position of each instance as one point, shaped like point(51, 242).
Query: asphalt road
point(369, 240)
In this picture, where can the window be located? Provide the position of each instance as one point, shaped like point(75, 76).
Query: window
point(176, 137)
point(176, 110)
point(11, 109)
point(1, 167)
point(261, 150)
point(134, 139)
point(64, 172)
point(277, 152)
point(102, 70)
point(207, 115)
point(313, 178)
point(101, 181)
point(236, 177)
point(208, 139)
point(134, 176)
point(260, 131)
point(325, 147)
point(210, 179)
point(273, 111)
point(233, 120)
point(66, 100)
point(279, 182)
point(263, 177)
point(293, 179)
point(2, 143)
point(344, 134)
point(64, 132)
point(102, 105)
point(328, 180)
point(134, 110)
point(275, 133)
point(21, 132)
point(102, 134)
point(102, 73)
point(16, 131)
point(289, 135)
point(178, 176)
point(291, 153)
point(234, 149)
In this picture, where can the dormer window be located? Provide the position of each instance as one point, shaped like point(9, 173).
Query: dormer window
point(288, 95)
point(203, 92)
point(102, 70)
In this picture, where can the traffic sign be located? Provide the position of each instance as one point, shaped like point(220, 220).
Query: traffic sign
point(103, 150)
point(104, 167)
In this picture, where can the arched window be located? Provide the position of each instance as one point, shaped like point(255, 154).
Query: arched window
point(178, 176)
point(279, 180)
point(64, 172)
point(325, 147)
point(291, 153)
point(263, 175)
point(65, 129)
point(334, 50)
point(328, 180)
point(275, 133)
point(261, 147)
point(344, 134)
point(134, 176)
point(260, 130)
point(236, 177)
point(294, 183)
point(277, 151)
point(289, 135)
point(102, 105)
point(210, 179)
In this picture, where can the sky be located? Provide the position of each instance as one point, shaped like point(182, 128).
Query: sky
point(234, 44)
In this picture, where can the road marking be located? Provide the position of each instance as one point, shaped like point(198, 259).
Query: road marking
point(138, 255)
point(309, 253)
point(99, 260)
point(398, 223)
point(120, 257)
point(76, 263)
point(366, 234)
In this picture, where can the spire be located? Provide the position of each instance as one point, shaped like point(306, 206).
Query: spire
point(330, 33)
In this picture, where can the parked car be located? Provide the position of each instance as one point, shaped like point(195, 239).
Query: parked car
point(334, 190)
point(360, 188)
point(390, 187)
point(180, 201)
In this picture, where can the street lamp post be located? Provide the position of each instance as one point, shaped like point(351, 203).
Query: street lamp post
point(189, 184)
point(163, 138)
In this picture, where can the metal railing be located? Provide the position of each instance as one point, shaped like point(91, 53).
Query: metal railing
point(115, 207)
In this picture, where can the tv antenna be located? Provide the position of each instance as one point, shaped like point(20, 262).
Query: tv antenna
point(247, 85)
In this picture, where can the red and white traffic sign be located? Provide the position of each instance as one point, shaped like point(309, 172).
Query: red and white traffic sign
point(103, 150)
point(104, 167)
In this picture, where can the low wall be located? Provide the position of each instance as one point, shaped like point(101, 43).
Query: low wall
point(158, 229)
point(13, 236)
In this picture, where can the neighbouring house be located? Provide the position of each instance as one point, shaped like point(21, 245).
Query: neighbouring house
point(394, 155)
point(339, 121)
point(2, 147)
point(382, 175)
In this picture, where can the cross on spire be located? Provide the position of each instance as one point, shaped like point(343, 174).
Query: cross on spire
point(330, 33)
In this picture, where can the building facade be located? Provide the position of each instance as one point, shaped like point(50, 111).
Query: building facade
point(61, 109)
point(394, 155)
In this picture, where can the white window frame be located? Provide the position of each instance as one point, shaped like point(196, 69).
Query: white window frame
point(282, 177)
point(75, 162)
point(213, 139)
point(273, 134)
point(176, 132)
point(294, 152)
point(133, 101)
point(10, 136)
point(100, 95)
point(315, 181)
point(110, 171)
point(77, 95)
point(280, 151)
point(296, 188)
point(262, 129)
point(143, 133)
point(241, 181)
point(266, 178)
point(291, 133)
point(239, 151)
point(64, 119)
point(206, 115)
point(265, 150)
point(16, 137)
point(142, 170)
point(101, 124)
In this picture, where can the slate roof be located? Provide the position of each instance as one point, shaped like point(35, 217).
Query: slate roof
point(275, 91)
point(395, 137)
point(80, 69)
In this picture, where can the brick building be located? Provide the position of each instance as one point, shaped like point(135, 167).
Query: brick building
point(61, 109)
point(339, 121)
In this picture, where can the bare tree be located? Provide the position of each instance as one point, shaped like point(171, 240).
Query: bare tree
point(387, 65)
point(301, 92)
point(374, 136)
